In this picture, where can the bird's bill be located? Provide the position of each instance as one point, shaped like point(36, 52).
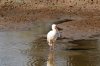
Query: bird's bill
point(58, 28)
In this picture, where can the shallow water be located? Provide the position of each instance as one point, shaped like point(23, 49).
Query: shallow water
point(27, 48)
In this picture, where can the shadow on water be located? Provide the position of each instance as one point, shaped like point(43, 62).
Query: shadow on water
point(87, 53)
point(84, 44)
point(40, 55)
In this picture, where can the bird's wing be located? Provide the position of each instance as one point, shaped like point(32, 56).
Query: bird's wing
point(49, 34)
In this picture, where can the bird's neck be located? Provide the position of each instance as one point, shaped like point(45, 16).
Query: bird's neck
point(55, 30)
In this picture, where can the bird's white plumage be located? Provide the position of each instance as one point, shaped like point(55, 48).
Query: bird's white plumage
point(53, 35)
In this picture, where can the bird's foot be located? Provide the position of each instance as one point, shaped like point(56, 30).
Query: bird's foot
point(51, 48)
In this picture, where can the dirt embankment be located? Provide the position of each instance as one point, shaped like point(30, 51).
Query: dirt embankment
point(23, 14)
point(81, 29)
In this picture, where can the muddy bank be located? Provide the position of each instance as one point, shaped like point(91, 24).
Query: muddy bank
point(77, 20)
point(22, 15)
point(81, 29)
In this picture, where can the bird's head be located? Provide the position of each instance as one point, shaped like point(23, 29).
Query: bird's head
point(54, 26)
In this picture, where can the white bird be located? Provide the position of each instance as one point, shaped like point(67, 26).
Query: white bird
point(52, 36)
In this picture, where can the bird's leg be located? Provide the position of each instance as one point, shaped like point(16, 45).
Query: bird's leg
point(51, 45)
point(51, 48)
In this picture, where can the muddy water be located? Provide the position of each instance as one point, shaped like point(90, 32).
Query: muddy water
point(27, 48)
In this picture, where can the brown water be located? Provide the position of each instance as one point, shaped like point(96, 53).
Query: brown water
point(27, 48)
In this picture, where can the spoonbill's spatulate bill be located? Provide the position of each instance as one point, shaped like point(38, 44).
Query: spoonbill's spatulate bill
point(52, 36)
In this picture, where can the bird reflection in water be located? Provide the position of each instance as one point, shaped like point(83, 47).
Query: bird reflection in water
point(51, 58)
